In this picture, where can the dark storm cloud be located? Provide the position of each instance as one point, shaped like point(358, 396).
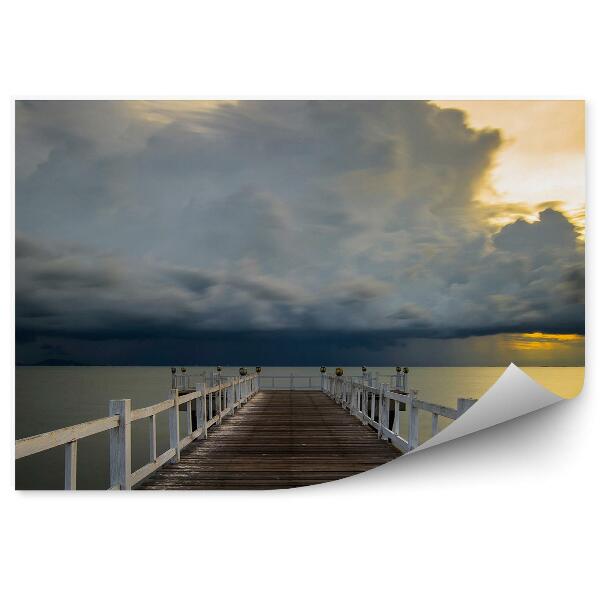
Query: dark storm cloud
point(280, 221)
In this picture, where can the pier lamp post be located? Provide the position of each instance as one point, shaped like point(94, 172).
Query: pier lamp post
point(173, 371)
point(405, 382)
point(398, 377)
point(323, 369)
point(184, 384)
point(339, 384)
point(243, 371)
point(258, 370)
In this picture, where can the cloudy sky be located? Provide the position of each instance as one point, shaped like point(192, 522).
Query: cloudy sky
point(294, 232)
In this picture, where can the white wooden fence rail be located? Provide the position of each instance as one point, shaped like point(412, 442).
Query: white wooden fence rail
point(293, 381)
point(374, 405)
point(210, 403)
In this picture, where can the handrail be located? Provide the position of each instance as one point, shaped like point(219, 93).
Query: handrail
point(210, 405)
point(46, 441)
point(372, 406)
point(293, 381)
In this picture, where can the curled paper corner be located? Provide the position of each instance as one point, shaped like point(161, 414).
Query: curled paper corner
point(514, 394)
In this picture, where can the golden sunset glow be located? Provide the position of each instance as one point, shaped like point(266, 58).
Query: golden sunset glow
point(543, 341)
point(541, 163)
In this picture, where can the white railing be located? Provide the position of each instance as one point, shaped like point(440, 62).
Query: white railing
point(183, 381)
point(397, 381)
point(207, 404)
point(376, 406)
point(291, 382)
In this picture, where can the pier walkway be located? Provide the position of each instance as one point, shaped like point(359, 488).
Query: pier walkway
point(256, 432)
point(280, 439)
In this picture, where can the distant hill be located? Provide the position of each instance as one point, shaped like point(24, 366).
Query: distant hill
point(58, 362)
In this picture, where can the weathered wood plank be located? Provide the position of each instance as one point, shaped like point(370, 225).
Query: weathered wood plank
point(146, 470)
point(174, 425)
point(279, 439)
point(463, 404)
point(71, 465)
point(437, 409)
point(152, 437)
point(45, 441)
point(120, 445)
point(413, 422)
point(147, 411)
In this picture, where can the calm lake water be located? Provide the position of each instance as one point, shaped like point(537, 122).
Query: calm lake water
point(48, 398)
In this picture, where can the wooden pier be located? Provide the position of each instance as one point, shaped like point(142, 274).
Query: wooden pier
point(281, 439)
point(237, 435)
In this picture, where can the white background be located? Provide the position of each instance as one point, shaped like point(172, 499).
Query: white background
point(507, 513)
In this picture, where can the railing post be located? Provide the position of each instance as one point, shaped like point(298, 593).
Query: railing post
point(120, 445)
point(188, 418)
point(396, 424)
point(71, 465)
point(210, 408)
point(384, 413)
point(413, 423)
point(152, 437)
point(463, 405)
point(174, 425)
point(362, 401)
point(201, 409)
point(434, 424)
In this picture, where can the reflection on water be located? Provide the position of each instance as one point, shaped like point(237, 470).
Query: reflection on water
point(48, 398)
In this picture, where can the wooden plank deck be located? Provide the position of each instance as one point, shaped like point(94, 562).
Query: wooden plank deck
point(279, 439)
